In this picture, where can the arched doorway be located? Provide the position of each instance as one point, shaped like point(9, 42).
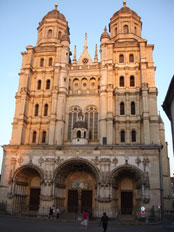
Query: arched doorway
point(127, 182)
point(26, 188)
point(75, 186)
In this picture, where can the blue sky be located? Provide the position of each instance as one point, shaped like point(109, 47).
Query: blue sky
point(19, 21)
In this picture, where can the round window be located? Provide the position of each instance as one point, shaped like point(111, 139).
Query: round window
point(85, 60)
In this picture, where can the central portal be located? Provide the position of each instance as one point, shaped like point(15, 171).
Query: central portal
point(126, 202)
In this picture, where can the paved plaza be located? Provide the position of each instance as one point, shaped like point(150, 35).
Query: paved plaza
point(20, 224)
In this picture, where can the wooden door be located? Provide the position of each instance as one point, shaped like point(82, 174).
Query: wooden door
point(73, 201)
point(126, 202)
point(34, 198)
point(87, 201)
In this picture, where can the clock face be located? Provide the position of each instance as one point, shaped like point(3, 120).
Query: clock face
point(85, 60)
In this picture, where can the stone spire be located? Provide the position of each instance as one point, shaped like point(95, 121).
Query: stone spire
point(85, 44)
point(96, 55)
point(74, 58)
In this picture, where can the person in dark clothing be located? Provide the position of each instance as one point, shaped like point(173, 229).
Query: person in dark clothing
point(104, 222)
point(50, 215)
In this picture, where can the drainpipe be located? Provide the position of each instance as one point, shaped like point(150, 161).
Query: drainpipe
point(161, 182)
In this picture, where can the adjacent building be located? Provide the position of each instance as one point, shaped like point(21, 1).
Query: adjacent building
point(86, 133)
point(168, 106)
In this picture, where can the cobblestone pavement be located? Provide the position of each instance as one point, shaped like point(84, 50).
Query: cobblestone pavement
point(21, 224)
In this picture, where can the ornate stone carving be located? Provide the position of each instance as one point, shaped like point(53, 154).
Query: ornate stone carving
point(58, 160)
point(138, 161)
point(146, 180)
point(96, 161)
point(115, 161)
point(41, 161)
point(20, 160)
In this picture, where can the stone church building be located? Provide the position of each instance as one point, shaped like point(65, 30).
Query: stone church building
point(86, 133)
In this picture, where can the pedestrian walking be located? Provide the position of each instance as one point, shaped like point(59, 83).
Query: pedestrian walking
point(84, 222)
point(57, 213)
point(50, 214)
point(104, 222)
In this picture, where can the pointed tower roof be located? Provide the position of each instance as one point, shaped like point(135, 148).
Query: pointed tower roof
point(96, 54)
point(85, 57)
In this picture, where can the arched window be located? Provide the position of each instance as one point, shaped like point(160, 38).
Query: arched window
point(133, 108)
point(133, 136)
point(44, 134)
point(122, 136)
point(91, 118)
point(126, 29)
point(50, 63)
point(34, 137)
point(39, 84)
point(121, 58)
point(132, 81)
point(36, 112)
point(75, 110)
point(122, 108)
point(50, 33)
point(41, 62)
point(59, 35)
point(48, 84)
point(92, 83)
point(121, 81)
point(78, 134)
point(131, 58)
point(46, 110)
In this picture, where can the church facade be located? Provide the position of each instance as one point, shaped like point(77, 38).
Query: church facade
point(86, 133)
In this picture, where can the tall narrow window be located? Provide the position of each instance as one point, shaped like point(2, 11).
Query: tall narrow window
point(46, 110)
point(121, 58)
point(59, 35)
point(69, 126)
point(116, 31)
point(44, 133)
point(34, 137)
point(50, 33)
point(122, 136)
point(122, 108)
point(135, 30)
point(133, 108)
point(36, 112)
point(41, 62)
point(50, 63)
point(132, 81)
point(121, 81)
point(91, 118)
point(133, 136)
point(126, 29)
point(48, 84)
point(131, 58)
point(75, 110)
point(39, 84)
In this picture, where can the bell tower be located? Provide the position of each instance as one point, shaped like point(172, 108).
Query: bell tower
point(125, 24)
point(51, 28)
